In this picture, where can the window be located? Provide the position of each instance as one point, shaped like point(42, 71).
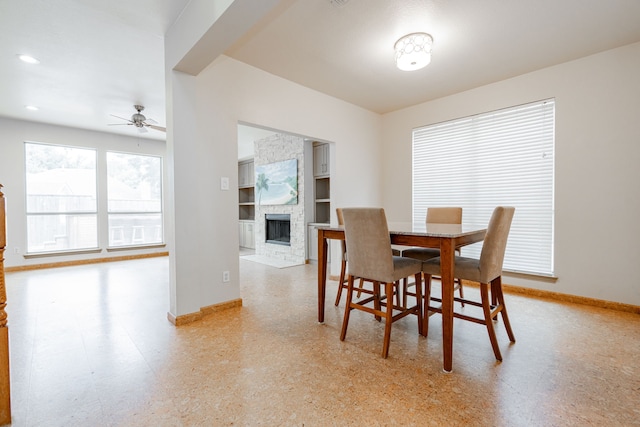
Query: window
point(504, 157)
point(134, 188)
point(61, 198)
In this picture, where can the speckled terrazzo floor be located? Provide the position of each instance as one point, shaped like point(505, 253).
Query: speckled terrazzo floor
point(91, 346)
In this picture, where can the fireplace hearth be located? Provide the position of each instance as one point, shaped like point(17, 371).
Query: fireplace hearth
point(278, 229)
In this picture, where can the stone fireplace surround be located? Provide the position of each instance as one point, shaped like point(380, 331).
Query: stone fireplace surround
point(273, 149)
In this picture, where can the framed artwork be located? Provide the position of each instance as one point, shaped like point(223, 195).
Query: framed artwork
point(277, 183)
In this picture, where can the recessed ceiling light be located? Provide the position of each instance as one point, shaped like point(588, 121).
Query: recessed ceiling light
point(28, 59)
point(31, 107)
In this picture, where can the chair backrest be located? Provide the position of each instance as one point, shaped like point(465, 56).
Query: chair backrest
point(340, 216)
point(368, 243)
point(495, 243)
point(444, 215)
point(341, 223)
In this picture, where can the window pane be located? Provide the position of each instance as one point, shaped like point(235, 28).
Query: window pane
point(134, 190)
point(48, 233)
point(134, 183)
point(60, 179)
point(135, 229)
point(61, 198)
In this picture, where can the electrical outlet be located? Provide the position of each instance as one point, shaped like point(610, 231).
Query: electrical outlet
point(225, 276)
point(16, 250)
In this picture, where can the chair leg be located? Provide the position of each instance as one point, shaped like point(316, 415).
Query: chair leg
point(486, 308)
point(343, 269)
point(419, 302)
point(460, 291)
point(494, 294)
point(397, 294)
point(405, 288)
point(376, 299)
point(426, 298)
point(347, 308)
point(496, 286)
point(388, 319)
point(360, 287)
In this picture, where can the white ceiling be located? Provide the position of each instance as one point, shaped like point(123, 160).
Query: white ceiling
point(101, 57)
point(96, 58)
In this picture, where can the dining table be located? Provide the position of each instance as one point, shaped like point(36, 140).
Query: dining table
point(446, 237)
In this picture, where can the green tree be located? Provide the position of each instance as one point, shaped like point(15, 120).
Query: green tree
point(262, 184)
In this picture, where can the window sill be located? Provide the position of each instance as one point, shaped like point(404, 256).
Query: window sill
point(532, 276)
point(61, 253)
point(131, 248)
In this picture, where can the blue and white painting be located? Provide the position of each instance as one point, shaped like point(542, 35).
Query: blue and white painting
point(277, 183)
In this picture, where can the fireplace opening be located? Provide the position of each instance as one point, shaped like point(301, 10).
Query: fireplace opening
point(278, 229)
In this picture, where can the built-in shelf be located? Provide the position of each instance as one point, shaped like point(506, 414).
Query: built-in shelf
point(246, 204)
point(322, 183)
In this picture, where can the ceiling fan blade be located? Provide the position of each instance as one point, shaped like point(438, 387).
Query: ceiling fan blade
point(119, 124)
point(118, 117)
point(150, 120)
point(160, 128)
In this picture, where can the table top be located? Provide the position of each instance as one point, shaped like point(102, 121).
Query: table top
point(425, 229)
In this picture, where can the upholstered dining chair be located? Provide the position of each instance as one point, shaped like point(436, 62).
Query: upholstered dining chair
point(371, 258)
point(437, 215)
point(342, 283)
point(487, 271)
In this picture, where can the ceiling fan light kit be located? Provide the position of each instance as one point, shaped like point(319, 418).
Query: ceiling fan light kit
point(140, 121)
point(413, 51)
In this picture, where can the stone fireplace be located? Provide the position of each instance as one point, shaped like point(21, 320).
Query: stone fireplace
point(280, 230)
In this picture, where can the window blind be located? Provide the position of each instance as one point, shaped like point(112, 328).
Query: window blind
point(504, 157)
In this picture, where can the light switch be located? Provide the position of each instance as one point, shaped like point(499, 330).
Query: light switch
point(224, 183)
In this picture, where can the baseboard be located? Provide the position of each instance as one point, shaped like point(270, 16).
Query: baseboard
point(557, 296)
point(83, 262)
point(185, 319)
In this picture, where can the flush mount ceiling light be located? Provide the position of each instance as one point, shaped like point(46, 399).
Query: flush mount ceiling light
point(31, 107)
point(413, 51)
point(28, 59)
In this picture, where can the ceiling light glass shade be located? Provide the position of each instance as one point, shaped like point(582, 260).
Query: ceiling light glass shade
point(413, 51)
point(28, 59)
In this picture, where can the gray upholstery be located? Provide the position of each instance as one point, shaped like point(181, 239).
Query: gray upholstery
point(489, 266)
point(446, 215)
point(369, 247)
point(371, 257)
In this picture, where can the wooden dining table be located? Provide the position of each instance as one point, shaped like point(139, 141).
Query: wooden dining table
point(446, 237)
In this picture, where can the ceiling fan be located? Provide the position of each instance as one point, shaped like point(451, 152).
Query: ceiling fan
point(139, 121)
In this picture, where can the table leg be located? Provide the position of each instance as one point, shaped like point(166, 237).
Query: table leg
point(446, 274)
point(322, 273)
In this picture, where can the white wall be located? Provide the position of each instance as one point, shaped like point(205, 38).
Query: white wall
point(597, 195)
point(224, 94)
point(13, 134)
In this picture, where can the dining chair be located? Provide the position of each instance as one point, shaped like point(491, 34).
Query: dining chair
point(342, 280)
point(371, 258)
point(487, 271)
point(437, 215)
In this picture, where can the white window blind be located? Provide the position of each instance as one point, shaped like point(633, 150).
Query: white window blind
point(503, 157)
